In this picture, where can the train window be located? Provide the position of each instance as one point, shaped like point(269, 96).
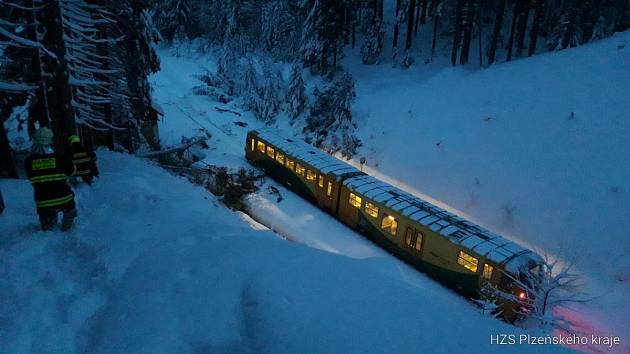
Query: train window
point(310, 175)
point(299, 169)
point(371, 209)
point(329, 190)
point(389, 224)
point(290, 164)
point(321, 181)
point(419, 238)
point(355, 200)
point(409, 237)
point(280, 157)
point(261, 146)
point(253, 144)
point(271, 152)
point(487, 271)
point(467, 261)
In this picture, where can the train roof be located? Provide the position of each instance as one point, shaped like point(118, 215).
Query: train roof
point(299, 149)
point(471, 236)
point(460, 231)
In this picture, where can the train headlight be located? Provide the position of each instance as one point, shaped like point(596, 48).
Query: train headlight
point(522, 295)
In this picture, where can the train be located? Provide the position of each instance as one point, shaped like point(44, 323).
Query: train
point(458, 253)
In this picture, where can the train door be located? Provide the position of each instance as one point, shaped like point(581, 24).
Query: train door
point(350, 204)
point(325, 192)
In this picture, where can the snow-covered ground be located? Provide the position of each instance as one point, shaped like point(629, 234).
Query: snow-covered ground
point(535, 149)
point(155, 265)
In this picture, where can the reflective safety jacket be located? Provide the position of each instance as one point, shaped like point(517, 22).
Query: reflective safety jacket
point(84, 160)
point(49, 173)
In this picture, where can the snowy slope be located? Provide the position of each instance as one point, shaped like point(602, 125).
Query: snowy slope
point(510, 157)
point(154, 265)
point(537, 149)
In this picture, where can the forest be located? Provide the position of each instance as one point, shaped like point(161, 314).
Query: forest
point(82, 66)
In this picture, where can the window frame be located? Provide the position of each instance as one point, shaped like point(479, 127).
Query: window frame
point(290, 164)
point(311, 176)
point(261, 147)
point(488, 269)
point(271, 152)
point(469, 264)
point(300, 169)
point(279, 156)
point(394, 222)
point(353, 199)
point(373, 207)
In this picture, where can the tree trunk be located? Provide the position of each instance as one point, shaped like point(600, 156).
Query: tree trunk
point(539, 8)
point(467, 30)
point(521, 28)
point(396, 25)
point(457, 34)
point(496, 33)
point(515, 13)
point(7, 163)
point(410, 22)
point(436, 25)
point(59, 99)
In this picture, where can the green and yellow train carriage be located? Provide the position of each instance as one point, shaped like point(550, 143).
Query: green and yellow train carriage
point(450, 249)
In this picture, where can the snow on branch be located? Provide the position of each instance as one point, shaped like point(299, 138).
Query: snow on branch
point(16, 87)
point(27, 42)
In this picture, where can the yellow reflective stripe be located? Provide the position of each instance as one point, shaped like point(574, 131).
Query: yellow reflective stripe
point(48, 178)
point(80, 154)
point(44, 164)
point(54, 202)
point(87, 159)
point(82, 172)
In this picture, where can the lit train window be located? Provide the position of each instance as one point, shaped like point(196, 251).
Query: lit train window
point(329, 190)
point(290, 164)
point(299, 169)
point(261, 146)
point(253, 142)
point(270, 152)
point(355, 200)
point(389, 224)
point(321, 181)
point(310, 175)
point(487, 271)
point(280, 157)
point(371, 209)
point(467, 261)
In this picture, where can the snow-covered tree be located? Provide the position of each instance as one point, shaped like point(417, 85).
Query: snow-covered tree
point(372, 46)
point(323, 34)
point(280, 29)
point(550, 285)
point(296, 98)
point(330, 123)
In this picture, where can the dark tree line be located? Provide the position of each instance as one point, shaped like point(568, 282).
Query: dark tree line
point(80, 66)
point(317, 31)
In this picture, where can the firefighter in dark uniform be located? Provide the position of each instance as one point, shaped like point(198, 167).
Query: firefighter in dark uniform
point(84, 160)
point(48, 173)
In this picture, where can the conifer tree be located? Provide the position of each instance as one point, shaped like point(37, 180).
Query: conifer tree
point(296, 99)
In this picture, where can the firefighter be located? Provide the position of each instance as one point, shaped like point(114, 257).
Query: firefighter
point(84, 160)
point(48, 173)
